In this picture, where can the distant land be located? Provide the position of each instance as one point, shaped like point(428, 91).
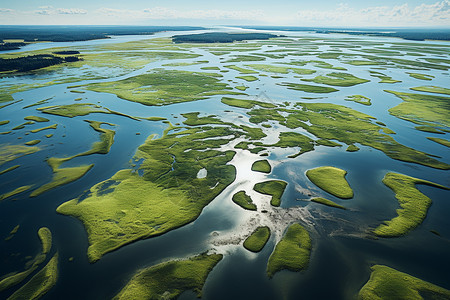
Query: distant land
point(415, 34)
point(75, 33)
point(221, 37)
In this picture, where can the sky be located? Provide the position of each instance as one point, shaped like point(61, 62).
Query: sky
point(322, 13)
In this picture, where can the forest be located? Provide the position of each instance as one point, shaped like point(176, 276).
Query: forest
point(220, 37)
point(33, 62)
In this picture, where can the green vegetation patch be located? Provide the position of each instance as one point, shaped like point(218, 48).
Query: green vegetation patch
point(247, 78)
point(422, 109)
point(15, 192)
point(79, 109)
point(241, 70)
point(280, 69)
point(168, 280)
point(335, 122)
point(262, 166)
point(244, 58)
point(332, 180)
point(384, 78)
point(128, 207)
point(164, 87)
point(338, 79)
point(258, 239)
point(36, 119)
point(274, 188)
point(443, 142)
point(9, 169)
point(327, 202)
point(352, 148)
point(248, 104)
point(244, 200)
point(359, 99)
point(388, 283)
point(11, 152)
point(292, 252)
point(308, 88)
point(40, 283)
point(4, 122)
point(414, 205)
point(432, 89)
point(62, 176)
point(421, 76)
point(428, 129)
point(33, 142)
point(45, 236)
point(54, 126)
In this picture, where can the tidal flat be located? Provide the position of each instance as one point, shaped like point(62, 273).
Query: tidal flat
point(163, 169)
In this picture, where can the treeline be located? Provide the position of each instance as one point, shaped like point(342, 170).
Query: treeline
point(220, 37)
point(10, 46)
point(33, 62)
point(79, 33)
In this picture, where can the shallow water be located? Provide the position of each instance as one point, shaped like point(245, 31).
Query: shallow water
point(342, 248)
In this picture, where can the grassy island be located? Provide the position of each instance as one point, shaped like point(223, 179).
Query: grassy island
point(258, 239)
point(331, 180)
point(338, 79)
point(443, 142)
point(40, 283)
point(128, 207)
point(388, 283)
point(292, 252)
point(244, 200)
point(414, 205)
point(327, 202)
point(168, 280)
point(359, 99)
point(11, 152)
point(309, 88)
point(262, 166)
point(274, 188)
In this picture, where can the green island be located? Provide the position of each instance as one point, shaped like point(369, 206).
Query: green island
point(248, 78)
point(258, 239)
point(308, 88)
point(432, 89)
point(9, 169)
point(262, 166)
point(244, 200)
point(359, 99)
point(422, 109)
point(384, 78)
point(388, 283)
point(79, 109)
point(4, 122)
point(352, 148)
point(40, 283)
point(331, 180)
point(121, 210)
point(54, 126)
point(15, 192)
point(414, 205)
point(15, 278)
point(11, 152)
point(327, 202)
point(164, 87)
point(241, 70)
point(21, 126)
point(338, 79)
point(421, 76)
point(292, 252)
point(45, 236)
point(36, 119)
point(32, 142)
point(274, 188)
point(168, 280)
point(248, 104)
point(280, 69)
point(443, 142)
point(429, 129)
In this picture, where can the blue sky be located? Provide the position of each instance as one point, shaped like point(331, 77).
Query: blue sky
point(382, 13)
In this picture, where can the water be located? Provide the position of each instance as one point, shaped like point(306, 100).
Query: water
point(342, 252)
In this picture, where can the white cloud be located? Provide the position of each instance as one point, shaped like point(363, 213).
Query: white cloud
point(6, 10)
point(401, 15)
point(49, 10)
point(163, 13)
